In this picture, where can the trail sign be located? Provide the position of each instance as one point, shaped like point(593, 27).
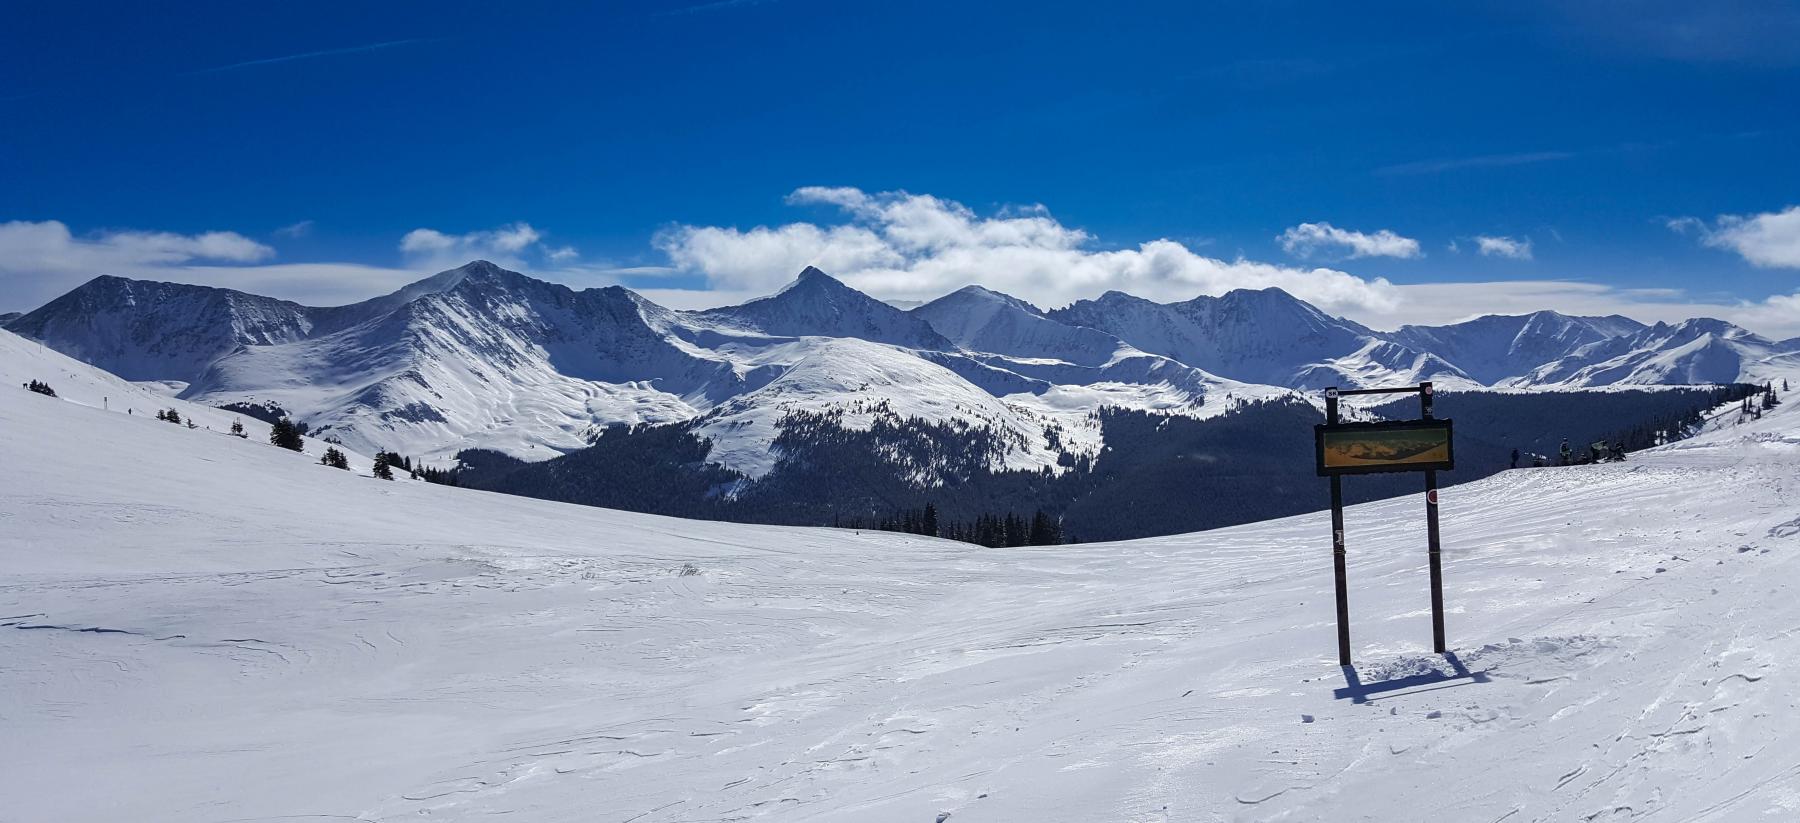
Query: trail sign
point(1368, 448)
point(1425, 445)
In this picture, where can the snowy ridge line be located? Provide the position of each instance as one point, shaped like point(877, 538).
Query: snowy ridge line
point(482, 357)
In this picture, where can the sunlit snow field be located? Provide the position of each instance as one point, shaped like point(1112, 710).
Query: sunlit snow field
point(195, 627)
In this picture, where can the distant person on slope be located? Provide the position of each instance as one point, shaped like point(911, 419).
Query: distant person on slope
point(1565, 453)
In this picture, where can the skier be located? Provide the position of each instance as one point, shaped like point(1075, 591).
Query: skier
point(1565, 453)
point(1515, 462)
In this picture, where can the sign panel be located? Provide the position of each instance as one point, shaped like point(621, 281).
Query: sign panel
point(1398, 446)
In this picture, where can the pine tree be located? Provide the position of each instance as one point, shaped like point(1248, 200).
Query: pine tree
point(382, 471)
point(1044, 531)
point(928, 523)
point(237, 428)
point(335, 459)
point(285, 434)
point(170, 416)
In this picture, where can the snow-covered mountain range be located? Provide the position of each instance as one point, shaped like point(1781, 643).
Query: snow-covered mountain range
point(479, 356)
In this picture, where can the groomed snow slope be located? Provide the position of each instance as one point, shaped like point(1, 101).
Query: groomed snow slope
point(200, 628)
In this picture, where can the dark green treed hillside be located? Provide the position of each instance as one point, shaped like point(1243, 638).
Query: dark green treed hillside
point(1158, 474)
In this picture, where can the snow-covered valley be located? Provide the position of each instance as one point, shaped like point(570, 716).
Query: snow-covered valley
point(201, 627)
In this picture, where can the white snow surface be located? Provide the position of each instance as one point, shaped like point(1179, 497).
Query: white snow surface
point(196, 627)
point(80, 384)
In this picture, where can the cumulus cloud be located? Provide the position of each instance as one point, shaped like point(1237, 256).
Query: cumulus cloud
point(1508, 247)
point(39, 260)
point(519, 246)
point(897, 245)
point(506, 240)
point(1307, 239)
point(1769, 239)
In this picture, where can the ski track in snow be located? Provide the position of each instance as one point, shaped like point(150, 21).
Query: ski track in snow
point(196, 627)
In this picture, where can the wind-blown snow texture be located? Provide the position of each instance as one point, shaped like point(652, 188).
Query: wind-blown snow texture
point(198, 627)
point(480, 357)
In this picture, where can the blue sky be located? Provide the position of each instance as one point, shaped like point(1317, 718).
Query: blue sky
point(1416, 164)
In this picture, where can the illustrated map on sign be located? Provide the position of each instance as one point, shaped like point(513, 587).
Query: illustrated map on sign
point(1347, 449)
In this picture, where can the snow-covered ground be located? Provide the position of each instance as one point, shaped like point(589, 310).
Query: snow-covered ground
point(195, 627)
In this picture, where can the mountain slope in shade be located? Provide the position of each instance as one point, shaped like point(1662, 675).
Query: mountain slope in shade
point(1069, 366)
point(1495, 348)
point(1265, 336)
point(982, 320)
point(1701, 350)
point(143, 330)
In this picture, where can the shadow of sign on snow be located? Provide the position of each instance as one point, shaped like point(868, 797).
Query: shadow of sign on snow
point(1426, 674)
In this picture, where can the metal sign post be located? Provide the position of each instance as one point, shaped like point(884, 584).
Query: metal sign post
point(1424, 445)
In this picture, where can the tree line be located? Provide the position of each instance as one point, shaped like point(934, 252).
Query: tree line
point(1007, 529)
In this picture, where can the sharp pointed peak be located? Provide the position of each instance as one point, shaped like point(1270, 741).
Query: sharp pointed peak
point(814, 280)
point(814, 276)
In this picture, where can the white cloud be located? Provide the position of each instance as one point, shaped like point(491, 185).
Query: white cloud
point(1307, 239)
point(1508, 247)
point(42, 260)
point(897, 245)
point(506, 244)
point(1430, 304)
point(50, 245)
point(39, 260)
point(1770, 239)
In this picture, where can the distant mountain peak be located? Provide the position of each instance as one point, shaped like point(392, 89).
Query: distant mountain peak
point(811, 278)
point(984, 294)
point(816, 304)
